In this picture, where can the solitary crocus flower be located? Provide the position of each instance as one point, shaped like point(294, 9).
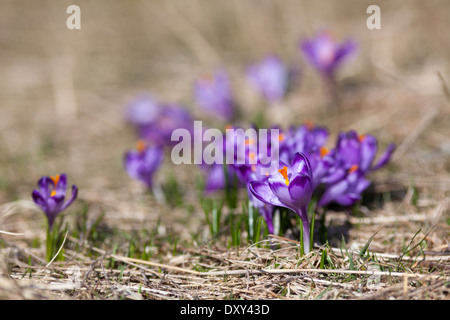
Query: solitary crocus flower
point(50, 196)
point(290, 187)
point(213, 94)
point(270, 78)
point(143, 110)
point(142, 163)
point(325, 54)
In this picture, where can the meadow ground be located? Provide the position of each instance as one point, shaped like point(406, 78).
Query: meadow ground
point(62, 98)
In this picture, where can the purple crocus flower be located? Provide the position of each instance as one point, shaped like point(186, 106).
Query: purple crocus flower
point(325, 54)
point(290, 187)
point(213, 95)
point(170, 117)
point(270, 77)
point(154, 121)
point(141, 164)
point(307, 139)
point(51, 194)
point(353, 149)
point(144, 110)
point(352, 159)
point(346, 191)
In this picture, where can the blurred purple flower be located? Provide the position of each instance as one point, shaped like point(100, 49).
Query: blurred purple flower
point(307, 139)
point(155, 121)
point(353, 149)
point(141, 164)
point(325, 54)
point(270, 77)
point(143, 110)
point(291, 187)
point(214, 96)
point(346, 191)
point(159, 131)
point(50, 196)
point(352, 159)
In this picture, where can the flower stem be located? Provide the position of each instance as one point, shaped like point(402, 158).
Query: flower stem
point(303, 214)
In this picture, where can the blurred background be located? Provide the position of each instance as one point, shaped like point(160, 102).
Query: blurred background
point(63, 92)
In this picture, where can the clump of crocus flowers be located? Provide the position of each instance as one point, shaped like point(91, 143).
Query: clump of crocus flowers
point(307, 167)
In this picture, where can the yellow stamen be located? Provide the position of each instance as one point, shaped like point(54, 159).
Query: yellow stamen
point(324, 151)
point(53, 193)
point(267, 173)
point(252, 156)
point(283, 172)
point(140, 146)
point(353, 168)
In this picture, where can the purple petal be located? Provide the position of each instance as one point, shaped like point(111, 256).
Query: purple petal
point(132, 164)
point(215, 179)
point(72, 198)
point(385, 157)
point(281, 191)
point(347, 199)
point(300, 164)
point(39, 200)
point(300, 190)
point(332, 192)
point(61, 186)
point(46, 186)
point(263, 193)
point(346, 49)
point(368, 151)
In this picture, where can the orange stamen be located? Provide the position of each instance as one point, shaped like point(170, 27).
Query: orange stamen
point(281, 137)
point(252, 156)
point(353, 168)
point(229, 126)
point(140, 146)
point(309, 124)
point(324, 151)
point(283, 172)
point(361, 137)
point(249, 142)
point(55, 179)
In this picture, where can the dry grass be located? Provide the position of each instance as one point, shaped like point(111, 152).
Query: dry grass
point(62, 95)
